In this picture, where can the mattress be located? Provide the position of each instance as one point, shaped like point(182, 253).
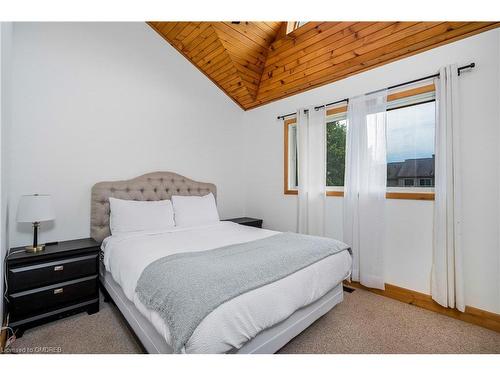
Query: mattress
point(237, 321)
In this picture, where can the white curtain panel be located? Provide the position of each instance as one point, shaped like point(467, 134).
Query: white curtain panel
point(311, 147)
point(447, 280)
point(365, 187)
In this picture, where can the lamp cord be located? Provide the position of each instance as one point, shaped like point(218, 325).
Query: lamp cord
point(5, 294)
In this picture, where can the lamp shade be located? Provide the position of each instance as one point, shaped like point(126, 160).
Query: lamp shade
point(34, 208)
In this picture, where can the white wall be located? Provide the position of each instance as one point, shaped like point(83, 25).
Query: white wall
point(5, 78)
point(105, 101)
point(101, 101)
point(409, 233)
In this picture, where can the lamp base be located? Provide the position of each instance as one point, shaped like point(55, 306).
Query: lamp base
point(35, 249)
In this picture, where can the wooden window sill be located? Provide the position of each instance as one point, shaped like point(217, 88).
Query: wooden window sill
point(391, 195)
point(414, 196)
point(331, 193)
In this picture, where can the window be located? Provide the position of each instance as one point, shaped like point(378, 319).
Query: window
point(410, 146)
point(426, 182)
point(410, 142)
point(294, 25)
point(336, 131)
point(408, 182)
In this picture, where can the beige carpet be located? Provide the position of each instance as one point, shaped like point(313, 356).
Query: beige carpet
point(363, 323)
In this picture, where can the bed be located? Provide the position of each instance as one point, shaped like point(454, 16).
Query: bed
point(261, 320)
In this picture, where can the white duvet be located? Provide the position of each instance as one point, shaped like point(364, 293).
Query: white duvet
point(237, 321)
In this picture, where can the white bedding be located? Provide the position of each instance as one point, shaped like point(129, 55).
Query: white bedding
point(235, 322)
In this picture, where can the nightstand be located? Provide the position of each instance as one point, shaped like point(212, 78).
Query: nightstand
point(57, 282)
point(248, 221)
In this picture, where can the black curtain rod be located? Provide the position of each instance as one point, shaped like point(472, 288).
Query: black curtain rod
point(470, 66)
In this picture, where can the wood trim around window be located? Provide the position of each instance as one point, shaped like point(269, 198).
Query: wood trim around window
point(336, 110)
point(390, 98)
point(393, 195)
point(411, 92)
point(414, 196)
point(341, 109)
point(286, 125)
point(334, 193)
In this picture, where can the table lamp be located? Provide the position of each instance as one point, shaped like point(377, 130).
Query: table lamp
point(34, 209)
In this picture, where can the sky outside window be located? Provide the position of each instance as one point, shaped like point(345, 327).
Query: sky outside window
point(410, 132)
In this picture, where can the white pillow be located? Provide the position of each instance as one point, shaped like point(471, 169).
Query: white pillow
point(133, 216)
point(190, 211)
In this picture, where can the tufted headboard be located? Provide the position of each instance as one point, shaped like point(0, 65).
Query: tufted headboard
point(149, 187)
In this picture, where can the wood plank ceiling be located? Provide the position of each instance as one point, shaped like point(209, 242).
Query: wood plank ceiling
point(255, 63)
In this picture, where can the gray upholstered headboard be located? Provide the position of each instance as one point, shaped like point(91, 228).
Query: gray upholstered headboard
point(149, 187)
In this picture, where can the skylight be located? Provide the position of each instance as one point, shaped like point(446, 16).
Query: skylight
point(294, 25)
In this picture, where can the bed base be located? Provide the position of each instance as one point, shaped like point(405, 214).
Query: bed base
point(267, 342)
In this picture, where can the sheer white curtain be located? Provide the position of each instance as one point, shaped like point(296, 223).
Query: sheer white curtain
point(311, 171)
point(447, 281)
point(365, 187)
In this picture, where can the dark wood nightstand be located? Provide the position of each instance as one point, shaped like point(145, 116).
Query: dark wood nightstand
point(248, 221)
point(60, 281)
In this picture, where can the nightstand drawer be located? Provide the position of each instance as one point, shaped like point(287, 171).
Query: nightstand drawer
point(39, 300)
point(40, 274)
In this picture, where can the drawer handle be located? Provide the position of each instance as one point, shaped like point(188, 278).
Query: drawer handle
point(58, 290)
point(58, 268)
